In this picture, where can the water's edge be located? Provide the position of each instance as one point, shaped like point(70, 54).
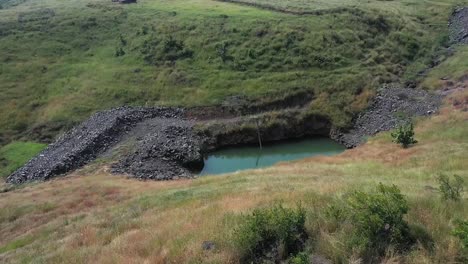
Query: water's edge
point(232, 159)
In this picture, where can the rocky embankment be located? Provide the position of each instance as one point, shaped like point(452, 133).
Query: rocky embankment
point(86, 142)
point(458, 25)
point(165, 149)
point(169, 143)
point(393, 106)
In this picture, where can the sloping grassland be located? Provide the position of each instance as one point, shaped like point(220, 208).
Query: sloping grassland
point(61, 61)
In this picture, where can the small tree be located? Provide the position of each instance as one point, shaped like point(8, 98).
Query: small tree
point(404, 135)
point(450, 189)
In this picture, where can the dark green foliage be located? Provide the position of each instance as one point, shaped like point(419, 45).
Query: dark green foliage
point(123, 41)
point(222, 51)
point(157, 51)
point(404, 135)
point(461, 231)
point(119, 52)
point(266, 230)
point(450, 189)
point(420, 234)
point(378, 221)
point(300, 258)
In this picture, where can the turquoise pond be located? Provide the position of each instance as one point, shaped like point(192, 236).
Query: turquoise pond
point(250, 157)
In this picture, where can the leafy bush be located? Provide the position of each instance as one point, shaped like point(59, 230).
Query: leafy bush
point(461, 231)
point(378, 222)
point(270, 230)
point(450, 190)
point(404, 135)
point(300, 258)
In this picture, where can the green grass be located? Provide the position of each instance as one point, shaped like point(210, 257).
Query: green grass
point(59, 60)
point(16, 244)
point(16, 154)
point(451, 69)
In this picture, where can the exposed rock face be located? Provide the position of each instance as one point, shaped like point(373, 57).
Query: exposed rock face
point(392, 107)
point(459, 26)
point(85, 142)
point(272, 126)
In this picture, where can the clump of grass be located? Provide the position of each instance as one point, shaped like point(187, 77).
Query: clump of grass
point(451, 188)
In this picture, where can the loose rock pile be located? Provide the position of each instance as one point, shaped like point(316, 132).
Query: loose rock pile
point(168, 150)
point(85, 142)
point(459, 26)
point(392, 106)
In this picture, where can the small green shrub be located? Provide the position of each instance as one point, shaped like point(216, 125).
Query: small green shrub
point(377, 219)
point(461, 231)
point(276, 229)
point(300, 258)
point(450, 190)
point(404, 135)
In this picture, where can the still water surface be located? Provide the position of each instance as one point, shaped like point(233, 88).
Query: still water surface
point(249, 157)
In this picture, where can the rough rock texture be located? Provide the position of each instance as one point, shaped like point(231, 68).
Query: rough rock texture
point(167, 150)
point(392, 106)
point(273, 126)
point(458, 25)
point(85, 142)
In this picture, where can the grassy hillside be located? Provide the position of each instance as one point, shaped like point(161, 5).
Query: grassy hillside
point(62, 60)
point(15, 154)
point(92, 216)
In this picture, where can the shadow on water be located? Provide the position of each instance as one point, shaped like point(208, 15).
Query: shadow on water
point(249, 157)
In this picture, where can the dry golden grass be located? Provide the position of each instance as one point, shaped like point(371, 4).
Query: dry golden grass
point(91, 216)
